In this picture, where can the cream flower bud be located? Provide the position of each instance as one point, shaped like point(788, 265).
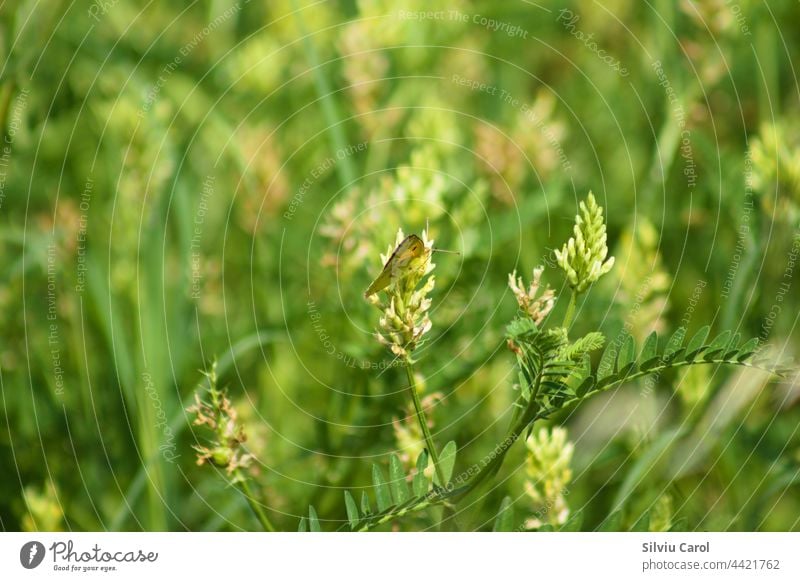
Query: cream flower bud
point(583, 257)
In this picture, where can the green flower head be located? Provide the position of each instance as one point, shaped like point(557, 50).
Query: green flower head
point(583, 257)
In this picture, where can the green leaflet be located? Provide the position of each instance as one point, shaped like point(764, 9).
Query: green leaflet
point(674, 343)
point(313, 520)
point(383, 495)
point(397, 480)
point(748, 349)
point(731, 349)
point(579, 374)
point(606, 366)
point(447, 462)
point(717, 346)
point(504, 521)
point(352, 510)
point(627, 355)
point(420, 484)
point(366, 509)
point(695, 345)
point(649, 354)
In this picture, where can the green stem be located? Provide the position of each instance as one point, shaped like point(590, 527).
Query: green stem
point(423, 424)
point(570, 314)
point(255, 506)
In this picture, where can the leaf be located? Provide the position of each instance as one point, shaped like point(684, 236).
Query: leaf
point(585, 387)
point(301, 528)
point(313, 520)
point(649, 351)
point(586, 344)
point(574, 523)
point(420, 484)
point(717, 345)
point(524, 386)
point(674, 343)
point(352, 509)
point(383, 495)
point(606, 365)
point(446, 462)
point(579, 376)
point(731, 350)
point(627, 355)
point(521, 328)
point(748, 349)
point(366, 509)
point(397, 480)
point(504, 522)
point(696, 343)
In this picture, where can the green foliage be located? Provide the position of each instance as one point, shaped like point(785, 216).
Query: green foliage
point(448, 462)
point(395, 500)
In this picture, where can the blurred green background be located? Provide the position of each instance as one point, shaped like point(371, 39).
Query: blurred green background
point(189, 181)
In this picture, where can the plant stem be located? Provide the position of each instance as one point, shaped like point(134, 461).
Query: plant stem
point(255, 506)
point(570, 314)
point(423, 424)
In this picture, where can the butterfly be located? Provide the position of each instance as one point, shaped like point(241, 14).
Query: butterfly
point(409, 249)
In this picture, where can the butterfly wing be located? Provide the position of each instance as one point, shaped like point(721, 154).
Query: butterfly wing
point(409, 248)
point(380, 283)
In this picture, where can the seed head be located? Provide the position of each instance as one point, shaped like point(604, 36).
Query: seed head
point(226, 448)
